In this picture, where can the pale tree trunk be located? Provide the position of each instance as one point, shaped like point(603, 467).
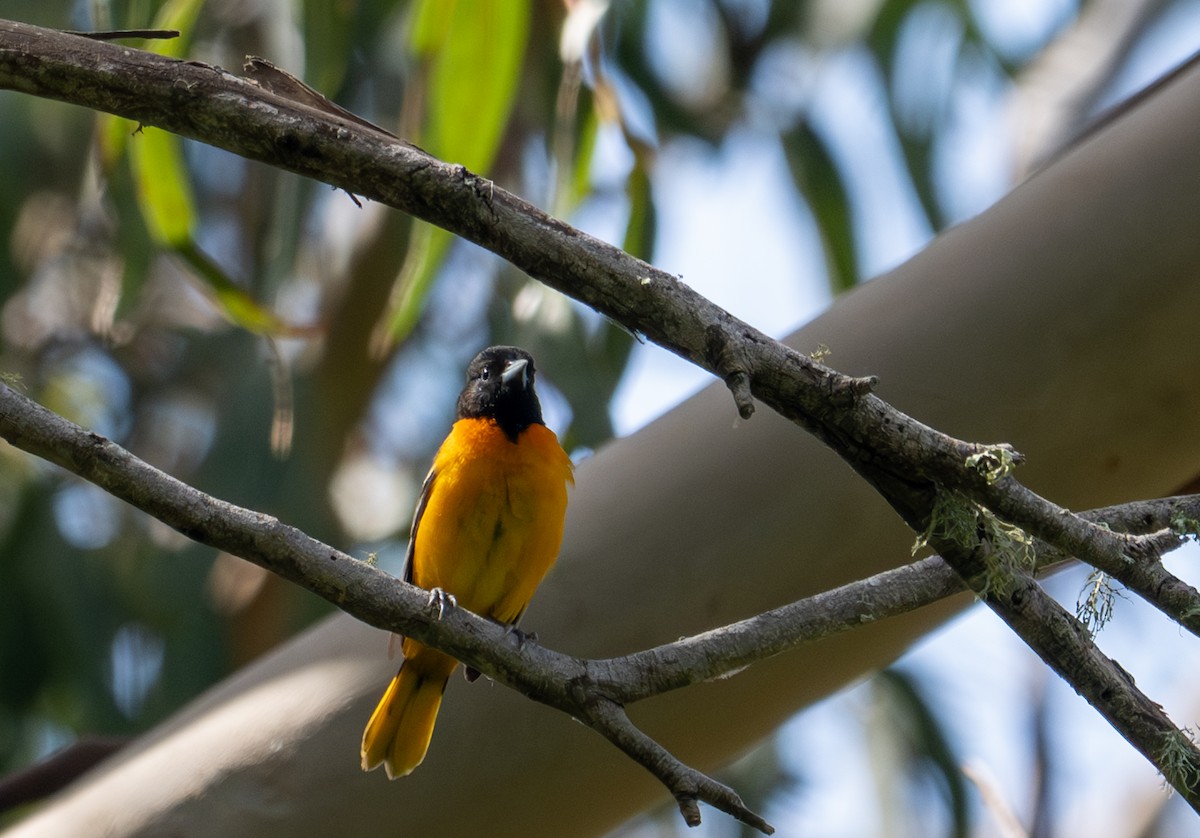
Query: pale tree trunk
point(1062, 320)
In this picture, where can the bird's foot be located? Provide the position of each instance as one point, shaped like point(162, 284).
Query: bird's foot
point(442, 601)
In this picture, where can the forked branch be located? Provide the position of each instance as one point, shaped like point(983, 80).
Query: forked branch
point(909, 463)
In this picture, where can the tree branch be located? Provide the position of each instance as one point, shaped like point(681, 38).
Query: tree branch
point(356, 587)
point(1066, 646)
point(908, 462)
point(593, 691)
point(1132, 560)
point(722, 651)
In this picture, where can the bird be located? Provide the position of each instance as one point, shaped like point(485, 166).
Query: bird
point(488, 527)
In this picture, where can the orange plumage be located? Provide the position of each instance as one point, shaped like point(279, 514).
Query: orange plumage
point(487, 529)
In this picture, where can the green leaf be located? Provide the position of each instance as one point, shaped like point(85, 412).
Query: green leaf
point(180, 15)
point(328, 43)
point(580, 182)
point(164, 194)
point(476, 50)
point(426, 247)
point(930, 750)
point(643, 220)
point(817, 177)
point(474, 53)
point(235, 302)
point(156, 157)
point(163, 191)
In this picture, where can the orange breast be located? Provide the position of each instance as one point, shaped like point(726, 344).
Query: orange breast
point(493, 523)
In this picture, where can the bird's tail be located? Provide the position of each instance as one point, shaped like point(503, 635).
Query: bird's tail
point(398, 734)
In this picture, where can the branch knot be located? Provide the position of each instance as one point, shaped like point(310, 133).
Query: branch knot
point(732, 361)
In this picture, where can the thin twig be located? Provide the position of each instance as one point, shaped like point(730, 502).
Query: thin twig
point(686, 784)
point(126, 34)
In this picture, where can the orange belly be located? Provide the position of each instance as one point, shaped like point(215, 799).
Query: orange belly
point(493, 523)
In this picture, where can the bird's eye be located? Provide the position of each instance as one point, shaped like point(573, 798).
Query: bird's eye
point(486, 374)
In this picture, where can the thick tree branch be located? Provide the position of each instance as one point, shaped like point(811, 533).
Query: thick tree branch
point(910, 463)
point(593, 691)
point(721, 651)
point(356, 587)
point(213, 106)
point(1065, 645)
point(1133, 560)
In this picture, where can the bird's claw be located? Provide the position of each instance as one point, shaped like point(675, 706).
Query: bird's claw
point(441, 600)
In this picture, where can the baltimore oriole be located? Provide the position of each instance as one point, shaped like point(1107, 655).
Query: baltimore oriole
point(487, 528)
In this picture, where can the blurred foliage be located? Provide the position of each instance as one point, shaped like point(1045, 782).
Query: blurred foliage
point(922, 752)
point(181, 301)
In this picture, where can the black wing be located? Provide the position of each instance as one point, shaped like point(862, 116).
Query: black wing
point(426, 488)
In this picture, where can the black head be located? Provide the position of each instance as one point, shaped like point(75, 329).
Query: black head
point(500, 387)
